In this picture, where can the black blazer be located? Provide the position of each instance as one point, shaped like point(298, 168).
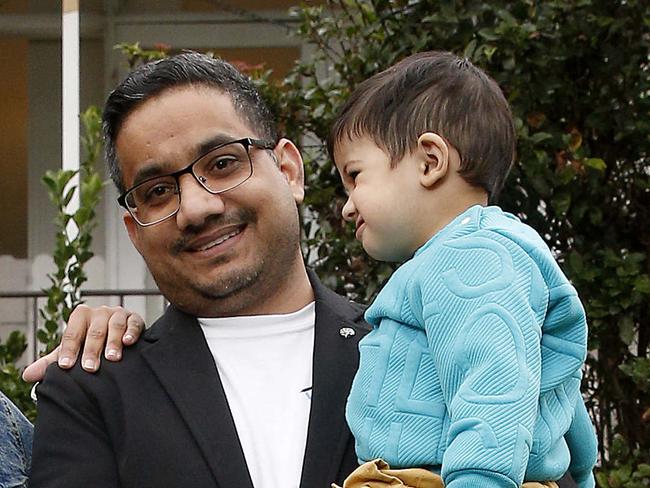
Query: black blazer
point(160, 418)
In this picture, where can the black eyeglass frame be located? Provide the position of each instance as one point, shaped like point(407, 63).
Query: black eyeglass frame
point(247, 142)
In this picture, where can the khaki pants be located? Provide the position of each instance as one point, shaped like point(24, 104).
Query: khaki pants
point(377, 474)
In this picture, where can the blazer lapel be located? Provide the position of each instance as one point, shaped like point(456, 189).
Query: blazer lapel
point(180, 358)
point(336, 359)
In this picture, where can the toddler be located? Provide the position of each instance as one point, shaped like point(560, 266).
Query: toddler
point(471, 374)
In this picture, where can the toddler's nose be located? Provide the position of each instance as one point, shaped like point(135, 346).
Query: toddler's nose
point(349, 211)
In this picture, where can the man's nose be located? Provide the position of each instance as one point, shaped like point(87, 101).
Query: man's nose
point(197, 204)
point(349, 211)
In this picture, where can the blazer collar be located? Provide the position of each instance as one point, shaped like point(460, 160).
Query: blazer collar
point(336, 359)
point(179, 356)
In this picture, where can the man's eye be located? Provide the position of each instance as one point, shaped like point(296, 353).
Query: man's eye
point(159, 192)
point(222, 163)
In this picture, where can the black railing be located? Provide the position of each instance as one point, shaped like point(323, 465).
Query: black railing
point(35, 296)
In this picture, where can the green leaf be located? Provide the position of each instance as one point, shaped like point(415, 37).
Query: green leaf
point(488, 34)
point(642, 284)
point(507, 16)
point(51, 326)
point(82, 216)
point(595, 163)
point(62, 178)
point(69, 194)
point(561, 202)
point(627, 330)
point(469, 49)
point(643, 471)
point(538, 137)
point(42, 336)
point(49, 179)
point(576, 262)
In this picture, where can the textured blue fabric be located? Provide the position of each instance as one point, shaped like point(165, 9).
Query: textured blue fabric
point(15, 445)
point(474, 363)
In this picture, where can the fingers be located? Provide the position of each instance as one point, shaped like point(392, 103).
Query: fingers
point(135, 327)
point(100, 329)
point(74, 335)
point(35, 371)
point(98, 323)
point(124, 328)
point(116, 330)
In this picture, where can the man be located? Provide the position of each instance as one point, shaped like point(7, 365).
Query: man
point(211, 196)
point(243, 381)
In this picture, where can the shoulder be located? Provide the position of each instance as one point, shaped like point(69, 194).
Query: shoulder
point(111, 375)
point(492, 231)
point(336, 307)
point(509, 227)
point(340, 310)
point(106, 375)
point(479, 234)
point(493, 252)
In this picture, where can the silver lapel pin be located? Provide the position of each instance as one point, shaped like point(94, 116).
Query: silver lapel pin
point(346, 332)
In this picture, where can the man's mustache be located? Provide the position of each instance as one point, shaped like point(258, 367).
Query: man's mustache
point(237, 218)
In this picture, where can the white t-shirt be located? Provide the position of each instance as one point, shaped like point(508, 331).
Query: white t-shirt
point(265, 366)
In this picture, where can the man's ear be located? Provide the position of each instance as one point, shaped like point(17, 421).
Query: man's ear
point(434, 159)
point(291, 165)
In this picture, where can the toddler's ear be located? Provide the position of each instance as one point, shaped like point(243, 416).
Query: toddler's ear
point(434, 160)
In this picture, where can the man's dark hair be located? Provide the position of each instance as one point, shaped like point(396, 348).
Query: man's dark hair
point(190, 68)
point(434, 92)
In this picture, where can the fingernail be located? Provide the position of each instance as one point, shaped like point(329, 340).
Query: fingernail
point(65, 362)
point(112, 354)
point(129, 338)
point(89, 364)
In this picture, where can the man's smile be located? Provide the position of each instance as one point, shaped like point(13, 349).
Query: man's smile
point(212, 243)
point(218, 241)
point(213, 238)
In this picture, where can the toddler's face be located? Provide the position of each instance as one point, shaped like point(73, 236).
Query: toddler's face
point(381, 200)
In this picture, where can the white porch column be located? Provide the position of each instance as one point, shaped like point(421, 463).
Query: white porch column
point(70, 93)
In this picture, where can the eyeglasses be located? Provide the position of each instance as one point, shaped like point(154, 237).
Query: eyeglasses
point(222, 168)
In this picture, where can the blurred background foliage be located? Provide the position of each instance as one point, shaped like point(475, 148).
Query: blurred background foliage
point(577, 77)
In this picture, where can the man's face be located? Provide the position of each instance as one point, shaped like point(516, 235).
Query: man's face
point(224, 254)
